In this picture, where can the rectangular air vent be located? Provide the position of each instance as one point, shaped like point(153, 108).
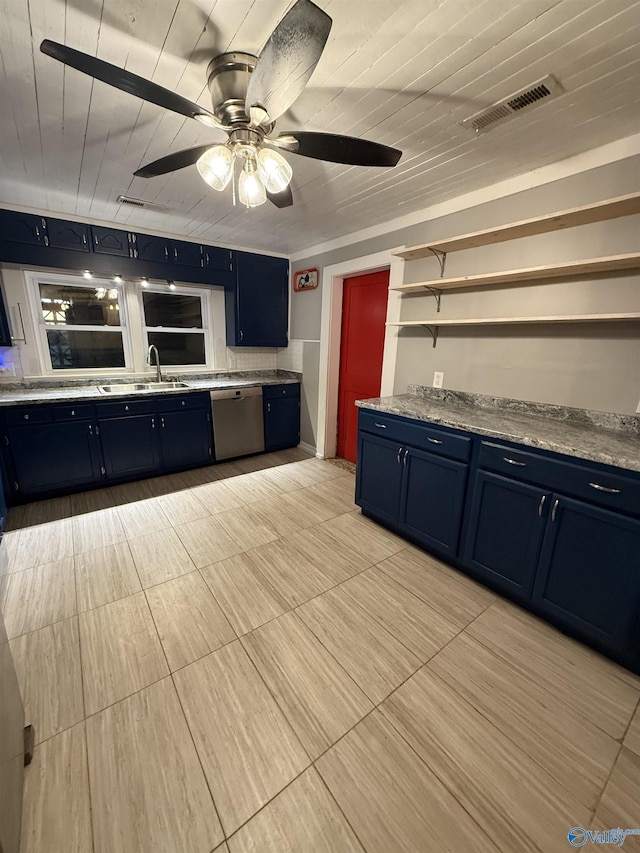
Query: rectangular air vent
point(543, 89)
point(138, 202)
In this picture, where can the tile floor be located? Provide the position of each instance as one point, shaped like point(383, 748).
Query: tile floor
point(235, 659)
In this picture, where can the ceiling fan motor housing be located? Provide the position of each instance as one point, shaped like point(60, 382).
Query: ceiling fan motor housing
point(228, 78)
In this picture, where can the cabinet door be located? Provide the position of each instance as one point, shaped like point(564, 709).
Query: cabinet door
point(214, 258)
point(589, 577)
point(130, 445)
point(186, 438)
point(21, 228)
point(186, 254)
point(68, 235)
point(379, 476)
point(433, 499)
point(110, 241)
point(53, 456)
point(258, 315)
point(281, 423)
point(505, 530)
point(151, 248)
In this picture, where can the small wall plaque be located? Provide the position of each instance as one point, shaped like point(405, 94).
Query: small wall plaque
point(305, 280)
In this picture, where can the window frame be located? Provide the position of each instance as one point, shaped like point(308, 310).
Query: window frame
point(206, 330)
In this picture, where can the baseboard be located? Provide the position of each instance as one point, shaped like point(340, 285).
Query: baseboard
point(309, 448)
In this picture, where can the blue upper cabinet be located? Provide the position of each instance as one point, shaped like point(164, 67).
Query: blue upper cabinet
point(110, 241)
point(63, 234)
point(185, 254)
point(214, 258)
point(150, 248)
point(257, 304)
point(22, 228)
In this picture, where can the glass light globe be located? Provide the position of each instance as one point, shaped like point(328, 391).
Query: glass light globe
point(216, 166)
point(274, 170)
point(251, 191)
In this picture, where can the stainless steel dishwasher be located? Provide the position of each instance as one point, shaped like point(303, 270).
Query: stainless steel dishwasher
point(238, 422)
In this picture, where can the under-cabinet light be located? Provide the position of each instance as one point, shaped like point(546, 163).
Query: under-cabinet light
point(87, 274)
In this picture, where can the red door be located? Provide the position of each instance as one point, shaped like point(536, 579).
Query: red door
point(364, 311)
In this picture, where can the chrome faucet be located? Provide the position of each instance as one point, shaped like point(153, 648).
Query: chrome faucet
point(158, 373)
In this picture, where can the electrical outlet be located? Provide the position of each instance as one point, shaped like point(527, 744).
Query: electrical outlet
point(438, 379)
point(638, 408)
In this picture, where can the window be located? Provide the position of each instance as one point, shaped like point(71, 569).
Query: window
point(81, 325)
point(175, 323)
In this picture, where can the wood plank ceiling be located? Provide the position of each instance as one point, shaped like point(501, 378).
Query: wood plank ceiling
point(401, 73)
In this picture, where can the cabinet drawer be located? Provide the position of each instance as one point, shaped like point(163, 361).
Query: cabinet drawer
point(28, 415)
point(182, 402)
point(126, 407)
point(273, 392)
point(406, 431)
point(73, 412)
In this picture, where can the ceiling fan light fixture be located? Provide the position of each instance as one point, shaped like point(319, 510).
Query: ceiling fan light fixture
point(251, 191)
point(274, 170)
point(216, 166)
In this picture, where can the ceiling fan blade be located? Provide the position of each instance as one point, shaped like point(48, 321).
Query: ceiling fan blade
point(172, 162)
point(125, 80)
point(337, 148)
point(283, 199)
point(288, 59)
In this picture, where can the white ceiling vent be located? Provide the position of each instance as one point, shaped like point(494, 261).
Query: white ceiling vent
point(138, 202)
point(543, 89)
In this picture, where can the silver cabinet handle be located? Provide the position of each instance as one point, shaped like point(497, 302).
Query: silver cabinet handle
point(381, 426)
point(126, 408)
point(90, 430)
point(554, 510)
point(153, 423)
point(241, 335)
point(604, 489)
point(73, 413)
point(434, 440)
point(541, 505)
point(404, 458)
point(162, 422)
point(398, 456)
point(268, 407)
point(26, 417)
point(515, 462)
point(166, 253)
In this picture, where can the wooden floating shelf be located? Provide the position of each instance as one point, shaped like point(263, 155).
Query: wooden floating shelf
point(548, 271)
point(500, 321)
point(624, 205)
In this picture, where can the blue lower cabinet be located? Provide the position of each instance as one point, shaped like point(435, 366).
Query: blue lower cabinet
point(186, 438)
point(52, 457)
point(432, 499)
point(589, 575)
point(379, 477)
point(504, 532)
point(130, 445)
point(281, 416)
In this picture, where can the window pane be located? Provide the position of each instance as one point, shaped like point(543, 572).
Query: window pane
point(79, 306)
point(179, 347)
point(71, 350)
point(172, 310)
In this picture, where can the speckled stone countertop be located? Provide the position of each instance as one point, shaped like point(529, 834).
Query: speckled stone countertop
point(74, 390)
point(597, 436)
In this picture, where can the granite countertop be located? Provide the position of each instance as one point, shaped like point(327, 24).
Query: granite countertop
point(77, 390)
point(596, 436)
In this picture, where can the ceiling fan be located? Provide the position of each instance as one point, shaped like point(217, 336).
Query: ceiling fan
point(249, 94)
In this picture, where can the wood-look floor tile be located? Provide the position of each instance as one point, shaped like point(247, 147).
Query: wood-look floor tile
point(105, 575)
point(301, 819)
point(188, 619)
point(15, 518)
point(121, 652)
point(180, 507)
point(308, 508)
point(515, 801)
point(573, 750)
point(168, 484)
point(288, 477)
point(56, 808)
point(207, 541)
point(199, 476)
point(278, 515)
point(564, 668)
point(620, 804)
point(332, 557)
point(247, 599)
point(10, 540)
point(290, 576)
point(43, 512)
point(419, 627)
point(93, 530)
point(339, 492)
point(393, 801)
point(39, 597)
point(143, 517)
point(148, 792)
point(249, 488)
point(375, 660)
point(43, 543)
point(320, 469)
point(317, 696)
point(446, 590)
point(91, 501)
point(47, 664)
point(246, 527)
point(358, 533)
point(632, 738)
point(127, 493)
point(247, 748)
point(160, 556)
point(216, 497)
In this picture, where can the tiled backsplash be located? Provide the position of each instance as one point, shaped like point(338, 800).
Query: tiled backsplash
point(251, 358)
point(290, 358)
point(10, 365)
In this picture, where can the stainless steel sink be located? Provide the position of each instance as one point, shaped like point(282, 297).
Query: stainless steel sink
point(140, 386)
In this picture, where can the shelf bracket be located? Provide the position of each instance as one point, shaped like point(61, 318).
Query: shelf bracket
point(436, 293)
point(433, 331)
point(442, 259)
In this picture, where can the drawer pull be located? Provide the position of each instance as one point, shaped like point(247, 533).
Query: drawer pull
point(404, 458)
point(381, 426)
point(434, 440)
point(126, 408)
point(515, 462)
point(182, 403)
point(554, 510)
point(541, 505)
point(604, 489)
point(398, 456)
point(73, 413)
